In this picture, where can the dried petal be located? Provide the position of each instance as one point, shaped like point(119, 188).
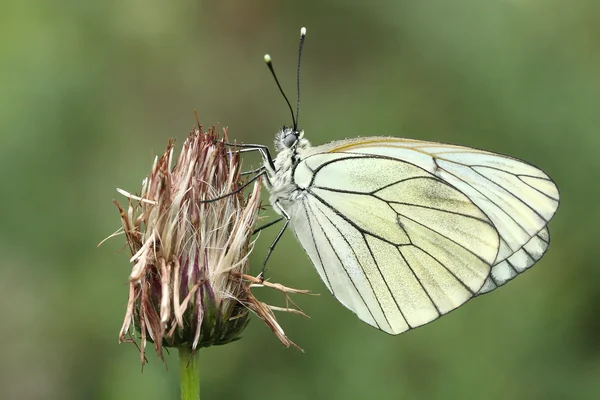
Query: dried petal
point(189, 284)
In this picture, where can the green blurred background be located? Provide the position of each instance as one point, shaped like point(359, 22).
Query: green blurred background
point(90, 91)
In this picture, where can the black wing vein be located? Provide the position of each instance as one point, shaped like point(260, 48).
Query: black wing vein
point(344, 267)
point(447, 269)
point(386, 284)
point(511, 193)
point(420, 283)
point(437, 209)
point(446, 237)
point(493, 202)
point(536, 189)
point(310, 228)
point(339, 214)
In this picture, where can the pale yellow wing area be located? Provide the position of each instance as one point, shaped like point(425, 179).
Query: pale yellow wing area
point(519, 198)
point(392, 242)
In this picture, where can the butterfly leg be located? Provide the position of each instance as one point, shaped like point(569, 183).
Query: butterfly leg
point(267, 225)
point(263, 150)
point(261, 276)
point(254, 171)
point(236, 190)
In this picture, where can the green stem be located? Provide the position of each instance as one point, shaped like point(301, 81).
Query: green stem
point(189, 369)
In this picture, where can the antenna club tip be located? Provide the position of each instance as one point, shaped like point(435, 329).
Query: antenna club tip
point(267, 58)
point(303, 31)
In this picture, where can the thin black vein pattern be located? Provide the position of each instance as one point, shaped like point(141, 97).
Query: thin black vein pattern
point(520, 176)
point(529, 254)
point(407, 233)
point(339, 190)
point(362, 233)
point(511, 267)
point(382, 277)
point(439, 209)
point(501, 211)
point(491, 201)
point(396, 202)
point(493, 280)
point(445, 267)
point(503, 170)
point(536, 189)
point(387, 241)
point(360, 157)
point(460, 150)
point(404, 180)
point(336, 212)
point(512, 194)
point(363, 271)
point(506, 244)
point(446, 237)
point(420, 283)
point(434, 158)
point(326, 163)
point(541, 238)
point(372, 193)
point(310, 228)
point(531, 243)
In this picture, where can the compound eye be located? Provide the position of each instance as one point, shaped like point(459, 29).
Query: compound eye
point(290, 139)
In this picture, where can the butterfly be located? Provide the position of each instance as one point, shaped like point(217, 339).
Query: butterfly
point(403, 231)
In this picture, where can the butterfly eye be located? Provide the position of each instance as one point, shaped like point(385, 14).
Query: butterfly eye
point(289, 140)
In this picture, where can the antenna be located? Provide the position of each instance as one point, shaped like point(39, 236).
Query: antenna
point(271, 68)
point(302, 37)
point(270, 65)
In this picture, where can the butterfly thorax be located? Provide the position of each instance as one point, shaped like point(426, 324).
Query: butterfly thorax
point(282, 187)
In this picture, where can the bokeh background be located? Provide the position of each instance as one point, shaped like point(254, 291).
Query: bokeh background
point(91, 91)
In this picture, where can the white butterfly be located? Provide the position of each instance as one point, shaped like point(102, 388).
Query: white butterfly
point(403, 231)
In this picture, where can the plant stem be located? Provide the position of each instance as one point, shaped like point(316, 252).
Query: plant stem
point(189, 370)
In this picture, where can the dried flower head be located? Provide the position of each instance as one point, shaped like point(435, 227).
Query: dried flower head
point(189, 285)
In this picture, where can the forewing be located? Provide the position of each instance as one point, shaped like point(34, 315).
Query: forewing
point(517, 197)
point(392, 242)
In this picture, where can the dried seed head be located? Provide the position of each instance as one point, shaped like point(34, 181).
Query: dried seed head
point(189, 285)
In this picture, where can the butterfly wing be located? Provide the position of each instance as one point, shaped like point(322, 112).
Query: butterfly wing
point(393, 242)
point(516, 196)
point(518, 262)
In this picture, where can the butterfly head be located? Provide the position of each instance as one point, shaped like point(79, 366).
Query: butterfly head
point(287, 138)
